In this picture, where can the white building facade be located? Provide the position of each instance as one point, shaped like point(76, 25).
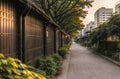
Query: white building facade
point(82, 33)
point(102, 15)
point(117, 7)
point(90, 26)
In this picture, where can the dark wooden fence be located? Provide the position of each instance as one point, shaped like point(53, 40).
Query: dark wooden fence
point(49, 40)
point(33, 37)
point(8, 28)
point(26, 32)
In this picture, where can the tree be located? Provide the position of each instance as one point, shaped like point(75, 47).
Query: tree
point(66, 12)
point(99, 34)
point(110, 28)
point(114, 25)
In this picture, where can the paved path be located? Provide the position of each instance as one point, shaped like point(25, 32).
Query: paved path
point(82, 64)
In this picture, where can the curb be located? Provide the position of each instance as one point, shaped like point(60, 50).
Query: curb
point(107, 58)
point(65, 67)
point(111, 60)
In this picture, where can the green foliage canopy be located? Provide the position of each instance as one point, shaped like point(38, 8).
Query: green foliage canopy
point(110, 28)
point(66, 13)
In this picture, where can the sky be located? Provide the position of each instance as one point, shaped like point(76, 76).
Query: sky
point(95, 6)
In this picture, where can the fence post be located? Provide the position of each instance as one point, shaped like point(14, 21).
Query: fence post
point(54, 39)
point(24, 12)
point(61, 40)
point(44, 37)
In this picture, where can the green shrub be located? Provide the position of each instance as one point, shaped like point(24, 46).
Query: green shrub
point(57, 59)
point(48, 65)
point(63, 52)
point(51, 64)
point(68, 45)
point(37, 70)
point(116, 55)
point(11, 68)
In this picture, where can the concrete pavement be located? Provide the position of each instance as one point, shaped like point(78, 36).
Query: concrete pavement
point(83, 64)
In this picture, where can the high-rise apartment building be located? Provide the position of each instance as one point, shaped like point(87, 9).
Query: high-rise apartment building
point(102, 15)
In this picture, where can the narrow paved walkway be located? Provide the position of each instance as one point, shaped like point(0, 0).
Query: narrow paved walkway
point(82, 64)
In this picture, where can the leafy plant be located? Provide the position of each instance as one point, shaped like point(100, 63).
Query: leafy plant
point(116, 55)
point(51, 65)
point(63, 52)
point(11, 68)
point(68, 45)
point(57, 59)
point(48, 65)
point(37, 71)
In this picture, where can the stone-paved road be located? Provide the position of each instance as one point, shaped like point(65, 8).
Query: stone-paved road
point(82, 64)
